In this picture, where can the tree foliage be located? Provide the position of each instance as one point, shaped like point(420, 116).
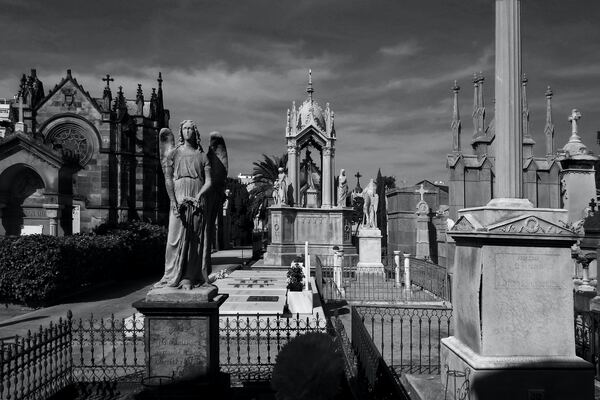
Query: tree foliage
point(264, 175)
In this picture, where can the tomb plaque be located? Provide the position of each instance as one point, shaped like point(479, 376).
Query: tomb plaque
point(263, 298)
point(178, 346)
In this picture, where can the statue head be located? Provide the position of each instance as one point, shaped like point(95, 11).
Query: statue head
point(195, 134)
point(280, 169)
point(343, 172)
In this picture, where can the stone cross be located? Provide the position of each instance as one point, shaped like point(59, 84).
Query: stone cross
point(593, 205)
point(422, 191)
point(573, 118)
point(108, 80)
point(358, 176)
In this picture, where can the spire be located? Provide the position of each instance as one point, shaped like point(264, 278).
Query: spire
point(160, 107)
point(549, 128)
point(107, 95)
point(309, 88)
point(120, 106)
point(139, 100)
point(478, 107)
point(153, 105)
point(528, 141)
point(455, 125)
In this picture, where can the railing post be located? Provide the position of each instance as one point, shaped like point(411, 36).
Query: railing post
point(397, 268)
point(338, 256)
point(407, 270)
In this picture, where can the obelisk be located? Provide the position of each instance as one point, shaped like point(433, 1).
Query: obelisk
point(512, 294)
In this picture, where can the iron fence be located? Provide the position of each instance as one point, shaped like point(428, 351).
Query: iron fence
point(408, 338)
point(249, 344)
point(587, 338)
point(37, 365)
point(430, 277)
point(429, 282)
point(108, 349)
point(371, 366)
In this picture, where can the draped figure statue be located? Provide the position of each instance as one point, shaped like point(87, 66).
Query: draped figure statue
point(342, 193)
point(194, 182)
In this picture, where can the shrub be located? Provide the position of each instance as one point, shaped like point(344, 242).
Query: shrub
point(39, 269)
point(295, 276)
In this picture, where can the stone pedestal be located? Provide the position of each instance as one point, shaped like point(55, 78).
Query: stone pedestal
point(322, 228)
point(312, 198)
point(181, 333)
point(513, 305)
point(369, 251)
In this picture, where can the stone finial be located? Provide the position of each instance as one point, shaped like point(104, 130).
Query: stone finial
point(549, 127)
point(573, 118)
point(68, 73)
point(139, 100)
point(309, 88)
point(455, 124)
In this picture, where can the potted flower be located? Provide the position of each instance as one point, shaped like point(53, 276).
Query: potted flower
point(299, 298)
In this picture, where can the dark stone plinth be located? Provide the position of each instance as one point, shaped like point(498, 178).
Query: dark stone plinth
point(181, 337)
point(174, 295)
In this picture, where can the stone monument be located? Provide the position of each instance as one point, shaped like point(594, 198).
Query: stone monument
point(181, 324)
point(423, 211)
point(512, 287)
point(369, 236)
point(312, 215)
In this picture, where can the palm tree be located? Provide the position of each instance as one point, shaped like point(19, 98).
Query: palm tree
point(264, 174)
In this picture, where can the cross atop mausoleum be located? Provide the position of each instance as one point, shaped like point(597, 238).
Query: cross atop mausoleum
point(422, 191)
point(108, 80)
point(573, 118)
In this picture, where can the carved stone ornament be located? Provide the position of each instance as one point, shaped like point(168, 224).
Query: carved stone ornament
point(69, 97)
point(530, 225)
point(463, 225)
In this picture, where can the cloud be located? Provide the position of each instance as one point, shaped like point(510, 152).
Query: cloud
point(403, 49)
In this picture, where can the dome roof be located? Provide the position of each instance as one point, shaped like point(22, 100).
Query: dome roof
point(311, 112)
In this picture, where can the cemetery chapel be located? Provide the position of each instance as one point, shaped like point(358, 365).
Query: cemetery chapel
point(70, 161)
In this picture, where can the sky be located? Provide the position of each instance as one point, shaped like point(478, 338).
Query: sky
point(386, 68)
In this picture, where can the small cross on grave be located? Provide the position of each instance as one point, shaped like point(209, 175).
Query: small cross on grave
point(593, 205)
point(108, 80)
point(422, 191)
point(573, 118)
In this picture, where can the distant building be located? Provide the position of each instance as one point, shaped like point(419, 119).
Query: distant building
point(70, 161)
point(562, 178)
point(402, 211)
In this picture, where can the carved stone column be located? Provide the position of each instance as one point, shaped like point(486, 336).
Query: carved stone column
point(293, 170)
point(326, 184)
point(53, 214)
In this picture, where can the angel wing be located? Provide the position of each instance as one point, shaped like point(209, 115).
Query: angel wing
point(217, 156)
point(166, 144)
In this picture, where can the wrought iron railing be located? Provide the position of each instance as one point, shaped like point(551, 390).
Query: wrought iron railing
point(249, 344)
point(108, 349)
point(37, 365)
point(373, 288)
point(408, 337)
point(371, 366)
point(430, 277)
point(587, 338)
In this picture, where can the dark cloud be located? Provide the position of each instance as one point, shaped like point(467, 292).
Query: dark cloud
point(386, 67)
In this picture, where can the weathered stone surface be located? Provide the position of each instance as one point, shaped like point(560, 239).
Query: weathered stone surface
point(369, 256)
point(178, 346)
point(174, 295)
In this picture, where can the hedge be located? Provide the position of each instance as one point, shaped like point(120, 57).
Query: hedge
point(38, 270)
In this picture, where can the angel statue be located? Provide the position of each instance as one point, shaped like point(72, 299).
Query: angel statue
point(195, 183)
point(371, 201)
point(342, 193)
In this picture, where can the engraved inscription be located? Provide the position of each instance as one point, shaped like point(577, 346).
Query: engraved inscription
point(522, 271)
point(178, 346)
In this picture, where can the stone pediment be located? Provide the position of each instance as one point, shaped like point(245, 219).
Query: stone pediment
point(524, 224)
point(467, 223)
point(68, 96)
point(19, 142)
point(530, 225)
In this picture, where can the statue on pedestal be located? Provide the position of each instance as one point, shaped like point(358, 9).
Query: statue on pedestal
point(371, 201)
point(280, 188)
point(194, 181)
point(342, 193)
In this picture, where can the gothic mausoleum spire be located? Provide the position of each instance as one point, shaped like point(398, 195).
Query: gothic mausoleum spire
point(455, 125)
point(309, 88)
point(549, 127)
point(528, 141)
